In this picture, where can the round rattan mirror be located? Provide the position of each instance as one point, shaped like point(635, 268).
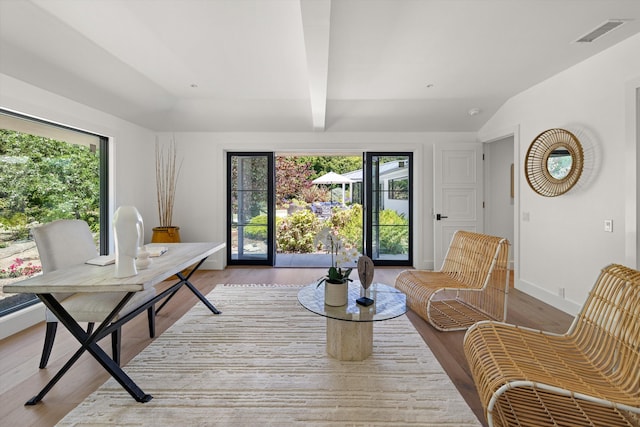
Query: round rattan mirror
point(554, 162)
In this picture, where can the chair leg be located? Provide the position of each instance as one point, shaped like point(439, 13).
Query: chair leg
point(49, 337)
point(116, 338)
point(151, 315)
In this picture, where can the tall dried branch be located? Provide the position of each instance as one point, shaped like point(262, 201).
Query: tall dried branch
point(166, 181)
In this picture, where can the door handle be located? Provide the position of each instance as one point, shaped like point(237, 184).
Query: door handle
point(439, 217)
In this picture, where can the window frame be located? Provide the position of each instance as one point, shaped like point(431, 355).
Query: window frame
point(103, 171)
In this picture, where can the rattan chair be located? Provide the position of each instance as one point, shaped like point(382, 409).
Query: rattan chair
point(64, 243)
point(471, 286)
point(589, 376)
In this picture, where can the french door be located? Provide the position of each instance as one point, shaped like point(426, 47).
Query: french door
point(388, 204)
point(250, 208)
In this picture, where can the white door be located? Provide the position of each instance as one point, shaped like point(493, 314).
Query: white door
point(457, 193)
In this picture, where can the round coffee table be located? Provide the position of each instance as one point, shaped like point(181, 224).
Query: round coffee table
point(350, 327)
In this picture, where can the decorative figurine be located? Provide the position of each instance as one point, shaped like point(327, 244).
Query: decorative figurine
point(365, 273)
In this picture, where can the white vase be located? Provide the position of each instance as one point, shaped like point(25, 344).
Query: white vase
point(143, 261)
point(335, 294)
point(128, 232)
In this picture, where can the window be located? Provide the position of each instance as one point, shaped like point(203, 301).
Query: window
point(399, 189)
point(47, 172)
point(388, 201)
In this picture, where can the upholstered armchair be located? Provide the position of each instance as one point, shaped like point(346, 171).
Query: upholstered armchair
point(64, 243)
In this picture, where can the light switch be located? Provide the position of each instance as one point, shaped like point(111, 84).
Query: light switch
point(608, 225)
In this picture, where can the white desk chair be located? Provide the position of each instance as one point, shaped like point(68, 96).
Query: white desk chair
point(64, 243)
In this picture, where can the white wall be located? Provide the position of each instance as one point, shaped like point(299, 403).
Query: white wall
point(132, 179)
point(200, 200)
point(132, 176)
point(564, 245)
point(499, 205)
point(201, 195)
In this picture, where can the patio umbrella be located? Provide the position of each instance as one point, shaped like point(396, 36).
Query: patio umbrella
point(333, 178)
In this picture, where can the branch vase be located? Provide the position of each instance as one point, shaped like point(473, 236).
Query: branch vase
point(169, 234)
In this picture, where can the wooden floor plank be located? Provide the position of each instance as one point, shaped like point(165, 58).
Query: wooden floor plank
point(20, 377)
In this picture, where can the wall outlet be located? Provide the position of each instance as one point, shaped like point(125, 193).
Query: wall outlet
point(608, 225)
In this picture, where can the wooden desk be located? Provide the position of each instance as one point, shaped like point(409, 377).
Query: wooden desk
point(87, 278)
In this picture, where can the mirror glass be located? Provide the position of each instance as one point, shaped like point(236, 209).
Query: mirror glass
point(559, 163)
point(554, 162)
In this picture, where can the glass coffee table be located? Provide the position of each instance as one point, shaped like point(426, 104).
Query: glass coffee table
point(350, 327)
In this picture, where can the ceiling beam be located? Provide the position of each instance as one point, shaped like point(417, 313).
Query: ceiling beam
point(316, 16)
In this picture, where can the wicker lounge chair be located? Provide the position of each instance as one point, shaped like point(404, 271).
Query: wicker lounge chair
point(589, 376)
point(471, 286)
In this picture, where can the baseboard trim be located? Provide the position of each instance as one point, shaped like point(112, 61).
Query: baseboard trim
point(20, 320)
point(545, 296)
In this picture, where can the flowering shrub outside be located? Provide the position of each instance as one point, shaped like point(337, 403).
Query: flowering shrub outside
point(296, 232)
point(348, 222)
point(17, 270)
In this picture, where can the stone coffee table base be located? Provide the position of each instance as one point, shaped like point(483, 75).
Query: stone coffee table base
point(349, 340)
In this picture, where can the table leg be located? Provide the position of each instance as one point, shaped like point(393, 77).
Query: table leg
point(185, 281)
point(202, 298)
point(89, 343)
point(349, 340)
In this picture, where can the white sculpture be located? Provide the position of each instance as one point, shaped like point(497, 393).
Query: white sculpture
point(128, 232)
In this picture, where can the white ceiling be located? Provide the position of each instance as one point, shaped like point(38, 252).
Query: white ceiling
point(300, 65)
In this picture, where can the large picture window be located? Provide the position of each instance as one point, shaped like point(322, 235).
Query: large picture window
point(47, 172)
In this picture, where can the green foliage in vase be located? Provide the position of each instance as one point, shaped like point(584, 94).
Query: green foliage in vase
point(338, 275)
point(343, 255)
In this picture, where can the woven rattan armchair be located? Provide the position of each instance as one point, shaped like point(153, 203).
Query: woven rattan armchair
point(471, 286)
point(589, 376)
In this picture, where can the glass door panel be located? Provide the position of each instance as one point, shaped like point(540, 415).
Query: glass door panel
point(389, 207)
point(250, 207)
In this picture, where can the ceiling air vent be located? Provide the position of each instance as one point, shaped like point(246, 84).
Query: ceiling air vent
point(602, 29)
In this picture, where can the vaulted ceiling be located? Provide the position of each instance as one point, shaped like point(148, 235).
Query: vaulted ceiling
point(301, 65)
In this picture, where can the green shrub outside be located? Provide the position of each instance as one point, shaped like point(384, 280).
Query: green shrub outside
point(394, 232)
point(17, 224)
point(348, 222)
point(296, 232)
point(257, 227)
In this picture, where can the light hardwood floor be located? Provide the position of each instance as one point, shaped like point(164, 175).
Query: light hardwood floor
point(20, 378)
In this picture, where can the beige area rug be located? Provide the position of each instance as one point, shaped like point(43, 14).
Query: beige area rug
point(262, 362)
